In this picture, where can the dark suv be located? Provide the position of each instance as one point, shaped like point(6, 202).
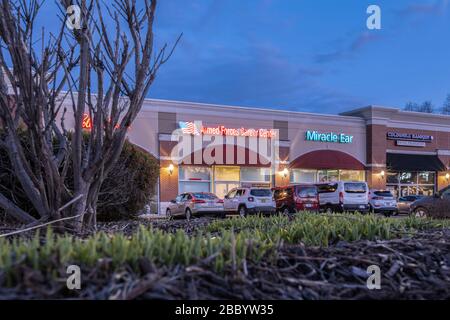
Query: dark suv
point(296, 198)
point(437, 206)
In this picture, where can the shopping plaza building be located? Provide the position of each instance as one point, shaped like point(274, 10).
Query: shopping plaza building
point(204, 147)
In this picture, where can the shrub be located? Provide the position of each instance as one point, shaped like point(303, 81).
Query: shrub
point(127, 189)
point(130, 185)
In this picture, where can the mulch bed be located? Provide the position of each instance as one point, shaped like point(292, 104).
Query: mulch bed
point(415, 267)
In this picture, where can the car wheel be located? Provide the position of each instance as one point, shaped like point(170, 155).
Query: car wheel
point(420, 212)
point(286, 211)
point(169, 214)
point(188, 214)
point(242, 211)
point(329, 210)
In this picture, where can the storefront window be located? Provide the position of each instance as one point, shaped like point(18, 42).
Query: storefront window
point(351, 175)
point(303, 176)
point(426, 177)
point(412, 183)
point(392, 177)
point(318, 176)
point(222, 188)
point(187, 186)
point(255, 174)
point(195, 173)
point(426, 190)
point(194, 179)
point(408, 177)
point(226, 173)
point(333, 175)
point(322, 176)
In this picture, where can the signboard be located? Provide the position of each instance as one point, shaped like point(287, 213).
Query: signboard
point(409, 136)
point(194, 128)
point(407, 143)
point(328, 137)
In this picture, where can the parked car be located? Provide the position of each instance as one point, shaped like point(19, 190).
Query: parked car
point(404, 203)
point(343, 196)
point(437, 206)
point(296, 198)
point(382, 201)
point(195, 204)
point(245, 201)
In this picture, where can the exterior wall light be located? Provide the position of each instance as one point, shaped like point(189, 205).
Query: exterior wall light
point(284, 173)
point(382, 173)
point(170, 168)
point(447, 176)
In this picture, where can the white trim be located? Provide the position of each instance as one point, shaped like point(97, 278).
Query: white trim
point(396, 124)
point(433, 153)
point(284, 143)
point(193, 108)
point(167, 137)
point(443, 152)
point(375, 165)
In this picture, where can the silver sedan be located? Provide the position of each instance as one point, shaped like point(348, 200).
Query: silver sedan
point(195, 204)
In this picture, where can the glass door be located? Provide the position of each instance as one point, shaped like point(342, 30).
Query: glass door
point(225, 179)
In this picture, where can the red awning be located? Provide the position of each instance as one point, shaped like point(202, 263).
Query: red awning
point(327, 159)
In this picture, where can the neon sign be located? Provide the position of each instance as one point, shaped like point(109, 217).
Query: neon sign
point(86, 123)
point(197, 129)
point(328, 137)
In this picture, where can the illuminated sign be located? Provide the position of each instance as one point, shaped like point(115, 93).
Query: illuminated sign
point(197, 129)
point(328, 137)
point(409, 136)
point(86, 123)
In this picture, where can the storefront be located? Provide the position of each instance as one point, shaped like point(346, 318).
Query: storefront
point(215, 148)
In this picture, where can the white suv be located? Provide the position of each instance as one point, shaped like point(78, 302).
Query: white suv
point(343, 196)
point(383, 201)
point(249, 200)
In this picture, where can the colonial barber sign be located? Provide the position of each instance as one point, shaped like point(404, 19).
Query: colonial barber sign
point(409, 139)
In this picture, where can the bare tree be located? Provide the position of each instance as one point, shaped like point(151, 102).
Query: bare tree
point(446, 105)
point(426, 107)
point(120, 66)
point(411, 106)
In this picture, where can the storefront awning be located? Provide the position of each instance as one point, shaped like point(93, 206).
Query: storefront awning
point(413, 162)
point(327, 159)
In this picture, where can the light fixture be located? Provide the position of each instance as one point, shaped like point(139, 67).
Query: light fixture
point(170, 168)
point(447, 176)
point(285, 172)
point(382, 173)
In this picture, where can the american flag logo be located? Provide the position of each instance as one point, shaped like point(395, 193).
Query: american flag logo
point(189, 128)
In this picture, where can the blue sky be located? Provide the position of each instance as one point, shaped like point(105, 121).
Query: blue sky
point(315, 56)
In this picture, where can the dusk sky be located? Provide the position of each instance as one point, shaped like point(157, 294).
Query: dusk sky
point(315, 56)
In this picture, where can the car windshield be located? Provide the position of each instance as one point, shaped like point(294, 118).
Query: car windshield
point(355, 187)
point(208, 196)
point(307, 192)
point(383, 193)
point(261, 192)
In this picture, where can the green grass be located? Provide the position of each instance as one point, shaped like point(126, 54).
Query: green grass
point(224, 242)
point(323, 230)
